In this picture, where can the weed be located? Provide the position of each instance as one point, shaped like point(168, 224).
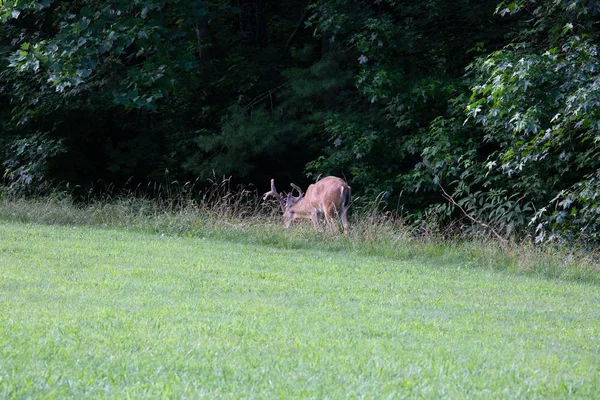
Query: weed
point(239, 214)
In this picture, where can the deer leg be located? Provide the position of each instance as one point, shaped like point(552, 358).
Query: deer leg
point(334, 225)
point(330, 212)
point(344, 218)
point(314, 216)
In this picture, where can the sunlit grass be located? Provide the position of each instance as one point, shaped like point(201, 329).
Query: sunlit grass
point(109, 313)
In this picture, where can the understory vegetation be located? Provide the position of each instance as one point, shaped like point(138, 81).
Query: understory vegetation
point(240, 215)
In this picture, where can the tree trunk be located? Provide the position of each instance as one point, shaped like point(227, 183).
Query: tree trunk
point(204, 45)
point(252, 22)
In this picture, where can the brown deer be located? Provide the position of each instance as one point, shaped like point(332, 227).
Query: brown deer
point(327, 197)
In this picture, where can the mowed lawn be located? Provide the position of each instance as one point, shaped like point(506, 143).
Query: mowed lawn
point(90, 313)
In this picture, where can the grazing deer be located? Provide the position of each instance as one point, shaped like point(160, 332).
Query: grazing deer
point(327, 197)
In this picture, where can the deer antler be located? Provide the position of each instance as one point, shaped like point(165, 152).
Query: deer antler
point(298, 189)
point(273, 193)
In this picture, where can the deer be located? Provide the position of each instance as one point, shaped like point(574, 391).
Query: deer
point(328, 197)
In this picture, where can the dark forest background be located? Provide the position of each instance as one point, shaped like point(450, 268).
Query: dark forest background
point(497, 103)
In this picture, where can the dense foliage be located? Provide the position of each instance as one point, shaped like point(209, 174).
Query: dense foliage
point(496, 103)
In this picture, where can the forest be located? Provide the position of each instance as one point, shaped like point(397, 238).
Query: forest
point(450, 108)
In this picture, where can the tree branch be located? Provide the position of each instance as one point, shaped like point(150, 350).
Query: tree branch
point(503, 241)
point(293, 35)
point(264, 96)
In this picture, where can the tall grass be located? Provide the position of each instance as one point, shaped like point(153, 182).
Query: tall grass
point(239, 214)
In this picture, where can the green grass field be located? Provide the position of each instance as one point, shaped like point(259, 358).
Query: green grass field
point(89, 312)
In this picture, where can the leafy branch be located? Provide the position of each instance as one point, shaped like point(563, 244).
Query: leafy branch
point(503, 241)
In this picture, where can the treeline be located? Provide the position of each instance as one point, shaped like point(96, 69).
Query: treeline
point(495, 104)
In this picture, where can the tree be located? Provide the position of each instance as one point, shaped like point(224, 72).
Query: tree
point(90, 75)
point(538, 101)
point(497, 104)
